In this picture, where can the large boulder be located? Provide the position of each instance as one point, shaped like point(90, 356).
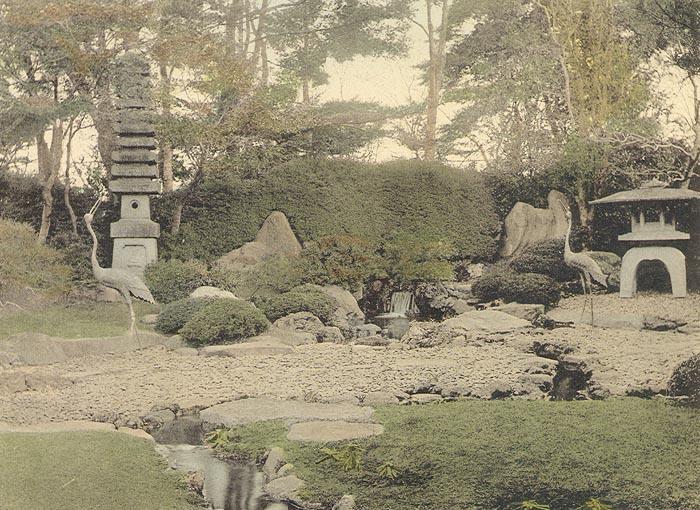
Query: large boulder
point(526, 224)
point(275, 237)
point(305, 322)
point(465, 328)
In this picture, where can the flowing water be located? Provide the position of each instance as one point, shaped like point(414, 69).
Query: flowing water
point(227, 485)
point(396, 321)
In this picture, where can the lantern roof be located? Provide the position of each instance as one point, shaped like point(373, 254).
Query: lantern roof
point(653, 191)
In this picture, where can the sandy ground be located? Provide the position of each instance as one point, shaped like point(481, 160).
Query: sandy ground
point(129, 384)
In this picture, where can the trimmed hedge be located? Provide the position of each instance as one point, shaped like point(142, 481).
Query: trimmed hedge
point(324, 198)
point(171, 280)
point(175, 315)
point(224, 321)
point(506, 284)
point(301, 299)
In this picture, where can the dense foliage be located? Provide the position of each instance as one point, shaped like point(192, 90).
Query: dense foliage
point(173, 316)
point(545, 257)
point(171, 280)
point(24, 263)
point(685, 381)
point(504, 283)
point(325, 198)
point(224, 321)
point(306, 298)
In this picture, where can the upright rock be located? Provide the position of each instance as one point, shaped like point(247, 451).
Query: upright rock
point(526, 224)
point(275, 237)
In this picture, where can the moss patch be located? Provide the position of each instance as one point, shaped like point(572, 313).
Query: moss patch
point(79, 470)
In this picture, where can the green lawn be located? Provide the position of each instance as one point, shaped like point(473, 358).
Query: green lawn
point(86, 470)
point(631, 453)
point(76, 321)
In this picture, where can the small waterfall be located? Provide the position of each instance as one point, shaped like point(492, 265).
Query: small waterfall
point(401, 304)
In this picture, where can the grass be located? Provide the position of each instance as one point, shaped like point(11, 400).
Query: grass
point(632, 453)
point(75, 321)
point(80, 470)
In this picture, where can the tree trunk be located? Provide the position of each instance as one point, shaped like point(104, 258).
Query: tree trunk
point(49, 163)
point(436, 68)
point(66, 184)
point(166, 148)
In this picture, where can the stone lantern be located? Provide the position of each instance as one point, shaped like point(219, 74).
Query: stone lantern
point(134, 171)
point(654, 233)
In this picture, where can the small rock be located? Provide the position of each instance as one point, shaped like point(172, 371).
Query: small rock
point(373, 341)
point(378, 398)
point(212, 292)
point(285, 488)
point(526, 311)
point(275, 460)
point(285, 470)
point(347, 502)
point(331, 334)
point(367, 330)
point(425, 398)
point(195, 482)
point(156, 419)
point(174, 342)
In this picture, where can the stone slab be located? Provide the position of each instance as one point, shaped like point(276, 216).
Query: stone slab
point(251, 410)
point(262, 348)
point(134, 228)
point(135, 170)
point(329, 431)
point(133, 155)
point(40, 349)
point(140, 142)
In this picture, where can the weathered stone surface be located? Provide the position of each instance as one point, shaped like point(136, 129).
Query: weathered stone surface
point(374, 341)
point(134, 185)
point(275, 237)
point(465, 328)
point(127, 227)
point(140, 142)
point(528, 312)
point(141, 434)
point(135, 170)
point(259, 348)
point(368, 330)
point(425, 398)
point(347, 502)
point(285, 488)
point(251, 410)
point(212, 292)
point(286, 337)
point(40, 349)
point(526, 225)
point(348, 314)
point(379, 398)
point(328, 431)
point(331, 334)
point(156, 419)
point(300, 321)
point(275, 460)
point(133, 155)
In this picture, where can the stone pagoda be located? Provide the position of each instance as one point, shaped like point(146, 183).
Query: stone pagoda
point(134, 176)
point(656, 234)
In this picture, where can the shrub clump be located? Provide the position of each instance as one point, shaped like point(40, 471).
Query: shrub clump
point(175, 315)
point(25, 263)
point(224, 321)
point(685, 381)
point(545, 257)
point(506, 284)
point(306, 298)
point(170, 280)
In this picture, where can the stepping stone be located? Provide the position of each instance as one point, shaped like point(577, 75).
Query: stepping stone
point(329, 431)
point(251, 410)
point(247, 349)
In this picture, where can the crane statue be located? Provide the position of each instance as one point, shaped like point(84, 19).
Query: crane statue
point(587, 268)
point(123, 281)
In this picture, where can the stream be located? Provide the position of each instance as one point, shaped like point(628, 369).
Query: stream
point(228, 485)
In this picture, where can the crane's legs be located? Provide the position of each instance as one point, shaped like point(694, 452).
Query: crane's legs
point(590, 293)
point(585, 296)
point(132, 315)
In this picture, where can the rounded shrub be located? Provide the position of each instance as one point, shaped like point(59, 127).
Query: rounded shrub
point(175, 315)
point(685, 381)
point(170, 280)
point(306, 298)
point(545, 257)
point(224, 321)
point(508, 285)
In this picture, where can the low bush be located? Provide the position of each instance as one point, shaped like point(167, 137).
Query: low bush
point(685, 381)
point(25, 263)
point(224, 321)
point(170, 280)
point(508, 285)
point(273, 276)
point(410, 259)
point(301, 299)
point(545, 257)
point(344, 260)
point(175, 315)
